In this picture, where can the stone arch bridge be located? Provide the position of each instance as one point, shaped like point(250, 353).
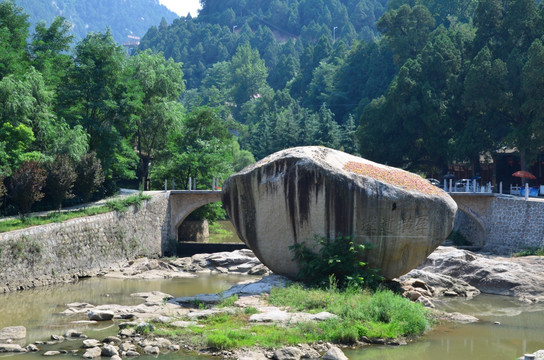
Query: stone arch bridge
point(500, 223)
point(184, 202)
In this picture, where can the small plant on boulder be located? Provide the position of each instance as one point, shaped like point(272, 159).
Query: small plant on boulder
point(336, 262)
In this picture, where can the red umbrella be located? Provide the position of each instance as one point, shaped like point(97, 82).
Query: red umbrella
point(524, 174)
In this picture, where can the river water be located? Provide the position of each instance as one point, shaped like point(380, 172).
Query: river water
point(506, 330)
point(39, 310)
point(520, 331)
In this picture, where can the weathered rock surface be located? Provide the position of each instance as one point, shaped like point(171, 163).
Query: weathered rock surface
point(295, 194)
point(520, 277)
point(421, 286)
point(235, 262)
point(13, 333)
point(334, 353)
point(92, 353)
point(101, 315)
point(11, 348)
point(539, 355)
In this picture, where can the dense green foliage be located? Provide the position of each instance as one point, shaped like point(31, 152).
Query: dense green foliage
point(96, 118)
point(444, 81)
point(337, 261)
point(415, 84)
point(124, 18)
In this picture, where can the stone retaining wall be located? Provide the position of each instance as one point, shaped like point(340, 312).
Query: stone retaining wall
point(511, 224)
point(81, 247)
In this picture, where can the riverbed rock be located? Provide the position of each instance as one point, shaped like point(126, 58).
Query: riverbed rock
point(428, 284)
point(74, 334)
point(15, 348)
point(114, 340)
point(101, 315)
point(152, 350)
point(92, 353)
point(32, 348)
point(51, 353)
point(91, 343)
point(291, 196)
point(109, 351)
point(539, 355)
point(520, 277)
point(334, 353)
point(288, 353)
point(12, 333)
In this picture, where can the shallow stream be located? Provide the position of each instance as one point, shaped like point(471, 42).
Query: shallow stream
point(520, 331)
point(506, 330)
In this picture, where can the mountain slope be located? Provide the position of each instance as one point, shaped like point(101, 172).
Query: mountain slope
point(123, 17)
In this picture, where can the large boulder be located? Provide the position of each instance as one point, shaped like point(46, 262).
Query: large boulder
point(295, 194)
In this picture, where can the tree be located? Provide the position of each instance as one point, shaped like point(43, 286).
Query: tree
point(60, 180)
point(248, 74)
point(89, 176)
point(152, 103)
point(201, 148)
point(481, 124)
point(365, 75)
point(26, 186)
point(91, 97)
point(49, 48)
point(14, 142)
point(241, 158)
point(2, 189)
point(13, 35)
point(406, 30)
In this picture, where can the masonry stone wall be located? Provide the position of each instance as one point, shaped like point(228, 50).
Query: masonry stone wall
point(511, 224)
point(82, 247)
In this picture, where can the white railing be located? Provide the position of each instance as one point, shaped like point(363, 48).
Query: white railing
point(192, 185)
point(470, 187)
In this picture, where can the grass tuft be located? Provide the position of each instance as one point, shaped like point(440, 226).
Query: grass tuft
point(530, 252)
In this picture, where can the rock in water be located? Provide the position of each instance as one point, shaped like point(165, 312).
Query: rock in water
point(292, 195)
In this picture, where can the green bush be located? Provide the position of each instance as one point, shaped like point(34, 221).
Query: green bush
point(334, 262)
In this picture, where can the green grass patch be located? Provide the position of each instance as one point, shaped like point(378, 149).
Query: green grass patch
point(360, 313)
point(530, 252)
point(216, 228)
point(120, 205)
point(382, 314)
point(229, 301)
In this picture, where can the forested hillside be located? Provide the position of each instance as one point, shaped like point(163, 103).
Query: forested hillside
point(432, 82)
point(424, 82)
point(123, 17)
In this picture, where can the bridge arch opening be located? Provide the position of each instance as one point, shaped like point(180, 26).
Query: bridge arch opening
point(183, 203)
point(470, 226)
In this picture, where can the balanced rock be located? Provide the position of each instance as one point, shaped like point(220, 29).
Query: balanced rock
point(296, 194)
